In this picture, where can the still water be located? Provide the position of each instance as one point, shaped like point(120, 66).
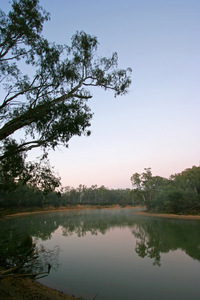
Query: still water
point(116, 254)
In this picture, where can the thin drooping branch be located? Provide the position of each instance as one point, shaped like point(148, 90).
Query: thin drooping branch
point(28, 89)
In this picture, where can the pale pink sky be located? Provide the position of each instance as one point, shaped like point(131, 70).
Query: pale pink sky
point(157, 124)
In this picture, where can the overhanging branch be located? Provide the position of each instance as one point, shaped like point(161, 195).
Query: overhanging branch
point(23, 148)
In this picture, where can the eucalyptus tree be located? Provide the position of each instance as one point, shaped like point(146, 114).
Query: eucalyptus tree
point(15, 171)
point(49, 104)
point(147, 187)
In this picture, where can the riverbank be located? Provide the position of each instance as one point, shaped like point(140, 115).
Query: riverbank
point(140, 210)
point(171, 216)
point(25, 288)
point(15, 213)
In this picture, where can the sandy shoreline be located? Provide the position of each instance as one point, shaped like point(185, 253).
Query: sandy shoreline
point(69, 208)
point(82, 207)
point(171, 216)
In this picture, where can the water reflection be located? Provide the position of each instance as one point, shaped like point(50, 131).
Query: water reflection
point(154, 236)
point(20, 253)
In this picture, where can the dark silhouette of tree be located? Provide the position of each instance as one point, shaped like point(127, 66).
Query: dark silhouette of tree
point(15, 172)
point(21, 257)
point(51, 103)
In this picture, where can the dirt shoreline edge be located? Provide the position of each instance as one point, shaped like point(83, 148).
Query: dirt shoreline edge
point(25, 288)
point(61, 209)
point(82, 207)
point(170, 216)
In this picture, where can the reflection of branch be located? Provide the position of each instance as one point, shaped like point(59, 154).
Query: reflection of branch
point(95, 296)
point(28, 260)
point(11, 270)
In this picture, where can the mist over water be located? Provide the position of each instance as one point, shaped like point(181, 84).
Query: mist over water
point(117, 254)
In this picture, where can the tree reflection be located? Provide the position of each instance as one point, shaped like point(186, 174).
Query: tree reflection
point(20, 255)
point(146, 246)
point(154, 236)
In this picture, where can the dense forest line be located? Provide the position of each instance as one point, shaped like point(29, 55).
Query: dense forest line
point(35, 186)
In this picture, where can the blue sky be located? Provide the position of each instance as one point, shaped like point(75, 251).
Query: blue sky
point(157, 124)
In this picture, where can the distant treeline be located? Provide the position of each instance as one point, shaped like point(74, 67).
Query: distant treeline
point(95, 195)
point(179, 194)
point(24, 196)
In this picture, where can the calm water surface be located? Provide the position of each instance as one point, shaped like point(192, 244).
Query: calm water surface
point(116, 254)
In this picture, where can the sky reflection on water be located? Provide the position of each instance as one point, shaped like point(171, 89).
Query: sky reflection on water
point(107, 263)
point(119, 255)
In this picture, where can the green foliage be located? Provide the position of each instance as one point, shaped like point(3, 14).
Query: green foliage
point(27, 196)
point(36, 188)
point(23, 184)
point(95, 195)
point(51, 104)
point(180, 194)
point(21, 197)
point(188, 180)
point(20, 254)
point(147, 186)
point(11, 166)
point(14, 252)
point(40, 175)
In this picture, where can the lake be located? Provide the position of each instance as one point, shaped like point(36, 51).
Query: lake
point(116, 254)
